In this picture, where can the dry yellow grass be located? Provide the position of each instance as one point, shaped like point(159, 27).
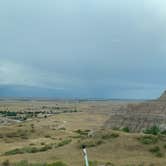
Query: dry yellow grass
point(123, 150)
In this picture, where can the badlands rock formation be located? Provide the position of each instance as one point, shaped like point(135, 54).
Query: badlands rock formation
point(138, 117)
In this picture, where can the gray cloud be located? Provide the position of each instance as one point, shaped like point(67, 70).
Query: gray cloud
point(87, 48)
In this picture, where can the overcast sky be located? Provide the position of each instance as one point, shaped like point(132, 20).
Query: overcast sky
point(83, 48)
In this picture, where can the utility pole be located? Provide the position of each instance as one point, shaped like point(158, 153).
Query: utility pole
point(85, 155)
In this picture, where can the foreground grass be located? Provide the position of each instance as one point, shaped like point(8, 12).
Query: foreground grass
point(37, 149)
point(59, 163)
point(25, 163)
point(110, 148)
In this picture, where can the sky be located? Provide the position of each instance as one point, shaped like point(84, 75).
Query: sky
point(83, 48)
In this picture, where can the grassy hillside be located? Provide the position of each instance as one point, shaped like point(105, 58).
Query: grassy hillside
point(59, 138)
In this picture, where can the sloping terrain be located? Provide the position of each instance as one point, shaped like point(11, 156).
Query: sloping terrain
point(138, 117)
point(59, 134)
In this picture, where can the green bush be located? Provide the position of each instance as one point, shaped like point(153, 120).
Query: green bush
point(126, 129)
point(28, 150)
point(14, 151)
point(154, 130)
point(159, 154)
point(59, 163)
point(155, 149)
point(25, 163)
point(163, 132)
point(8, 113)
point(64, 142)
point(93, 163)
point(45, 148)
point(165, 146)
point(31, 150)
point(6, 163)
point(148, 139)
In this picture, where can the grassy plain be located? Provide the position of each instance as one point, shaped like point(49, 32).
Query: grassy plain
point(58, 136)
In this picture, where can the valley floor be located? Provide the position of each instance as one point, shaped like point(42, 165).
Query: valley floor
point(59, 137)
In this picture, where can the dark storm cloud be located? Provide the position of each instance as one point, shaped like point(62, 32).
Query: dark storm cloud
point(85, 48)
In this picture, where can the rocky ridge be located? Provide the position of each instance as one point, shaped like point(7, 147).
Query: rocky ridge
point(138, 117)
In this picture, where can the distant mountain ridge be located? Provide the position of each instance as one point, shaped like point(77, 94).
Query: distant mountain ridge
point(28, 91)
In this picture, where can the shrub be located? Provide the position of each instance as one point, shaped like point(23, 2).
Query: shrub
point(6, 163)
point(22, 163)
point(116, 129)
point(155, 149)
point(25, 163)
point(14, 151)
point(62, 128)
point(11, 113)
point(8, 113)
point(47, 136)
point(64, 142)
point(91, 143)
point(28, 150)
point(42, 143)
point(163, 132)
point(31, 150)
point(126, 129)
point(154, 130)
point(45, 148)
point(59, 163)
point(93, 163)
point(148, 139)
point(82, 132)
point(110, 135)
point(1, 135)
point(165, 146)
point(159, 154)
